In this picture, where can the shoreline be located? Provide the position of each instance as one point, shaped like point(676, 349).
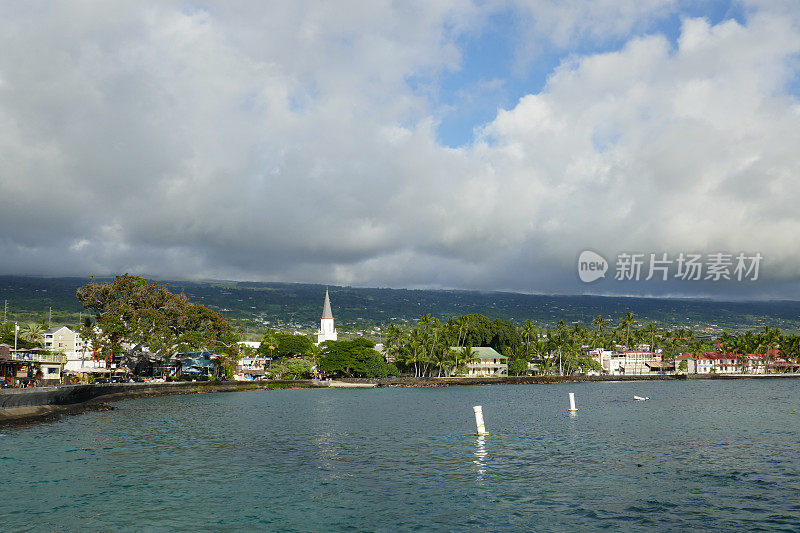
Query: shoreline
point(46, 404)
point(543, 380)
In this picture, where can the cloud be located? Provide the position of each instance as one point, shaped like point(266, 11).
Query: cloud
point(285, 142)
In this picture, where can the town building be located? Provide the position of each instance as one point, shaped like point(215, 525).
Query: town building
point(486, 362)
point(19, 367)
point(250, 368)
point(327, 331)
point(722, 363)
point(63, 340)
point(79, 356)
point(629, 362)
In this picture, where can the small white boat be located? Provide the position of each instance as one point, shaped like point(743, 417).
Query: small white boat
point(640, 398)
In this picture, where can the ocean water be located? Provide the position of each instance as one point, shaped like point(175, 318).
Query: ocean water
point(700, 455)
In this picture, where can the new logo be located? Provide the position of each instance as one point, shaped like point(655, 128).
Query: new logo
point(591, 266)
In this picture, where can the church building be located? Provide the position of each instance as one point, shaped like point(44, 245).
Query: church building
point(326, 330)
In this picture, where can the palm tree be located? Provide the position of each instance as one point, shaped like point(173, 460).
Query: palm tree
point(546, 365)
point(465, 356)
point(395, 339)
point(7, 331)
point(599, 323)
point(625, 324)
point(770, 341)
point(651, 330)
point(416, 348)
point(528, 331)
point(32, 333)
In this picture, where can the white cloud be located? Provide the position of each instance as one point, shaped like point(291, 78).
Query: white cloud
point(284, 142)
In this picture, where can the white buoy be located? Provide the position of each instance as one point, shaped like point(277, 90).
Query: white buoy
point(479, 420)
point(572, 402)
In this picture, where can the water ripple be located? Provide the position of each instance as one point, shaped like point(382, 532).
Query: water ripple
point(408, 459)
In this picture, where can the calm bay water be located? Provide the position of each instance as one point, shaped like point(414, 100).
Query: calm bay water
point(712, 455)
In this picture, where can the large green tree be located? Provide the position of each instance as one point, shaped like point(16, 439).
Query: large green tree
point(293, 345)
point(132, 310)
point(291, 368)
point(353, 358)
point(268, 344)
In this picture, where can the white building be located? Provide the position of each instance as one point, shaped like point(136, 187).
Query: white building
point(628, 363)
point(63, 340)
point(250, 344)
point(79, 354)
point(326, 332)
point(722, 363)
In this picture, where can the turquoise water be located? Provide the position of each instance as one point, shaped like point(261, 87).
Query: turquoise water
point(711, 455)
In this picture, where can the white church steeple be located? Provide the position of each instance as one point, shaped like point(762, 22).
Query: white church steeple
point(326, 330)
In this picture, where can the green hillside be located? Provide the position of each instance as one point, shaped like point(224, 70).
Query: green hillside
point(297, 305)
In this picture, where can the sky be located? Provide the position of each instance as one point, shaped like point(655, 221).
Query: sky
point(439, 144)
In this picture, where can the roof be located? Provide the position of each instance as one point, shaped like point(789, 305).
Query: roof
point(720, 355)
point(57, 328)
point(483, 352)
point(326, 308)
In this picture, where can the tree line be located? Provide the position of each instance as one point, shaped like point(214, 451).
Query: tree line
point(426, 348)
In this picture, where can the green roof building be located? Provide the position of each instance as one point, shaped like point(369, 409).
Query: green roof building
point(486, 362)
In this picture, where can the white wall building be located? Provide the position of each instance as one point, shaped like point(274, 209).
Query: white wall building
point(250, 344)
point(327, 331)
point(63, 340)
point(722, 363)
point(628, 363)
point(79, 354)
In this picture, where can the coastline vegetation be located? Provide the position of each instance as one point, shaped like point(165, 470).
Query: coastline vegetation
point(425, 349)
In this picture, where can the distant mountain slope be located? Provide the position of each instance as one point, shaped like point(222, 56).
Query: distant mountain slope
point(300, 305)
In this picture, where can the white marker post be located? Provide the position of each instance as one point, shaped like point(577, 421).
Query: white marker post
point(479, 420)
point(572, 407)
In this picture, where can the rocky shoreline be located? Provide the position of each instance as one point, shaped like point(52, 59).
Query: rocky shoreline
point(42, 404)
point(509, 380)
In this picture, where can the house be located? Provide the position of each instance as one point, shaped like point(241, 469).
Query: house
point(629, 362)
point(250, 368)
point(78, 352)
point(24, 365)
point(487, 362)
point(8, 367)
point(722, 363)
point(62, 339)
